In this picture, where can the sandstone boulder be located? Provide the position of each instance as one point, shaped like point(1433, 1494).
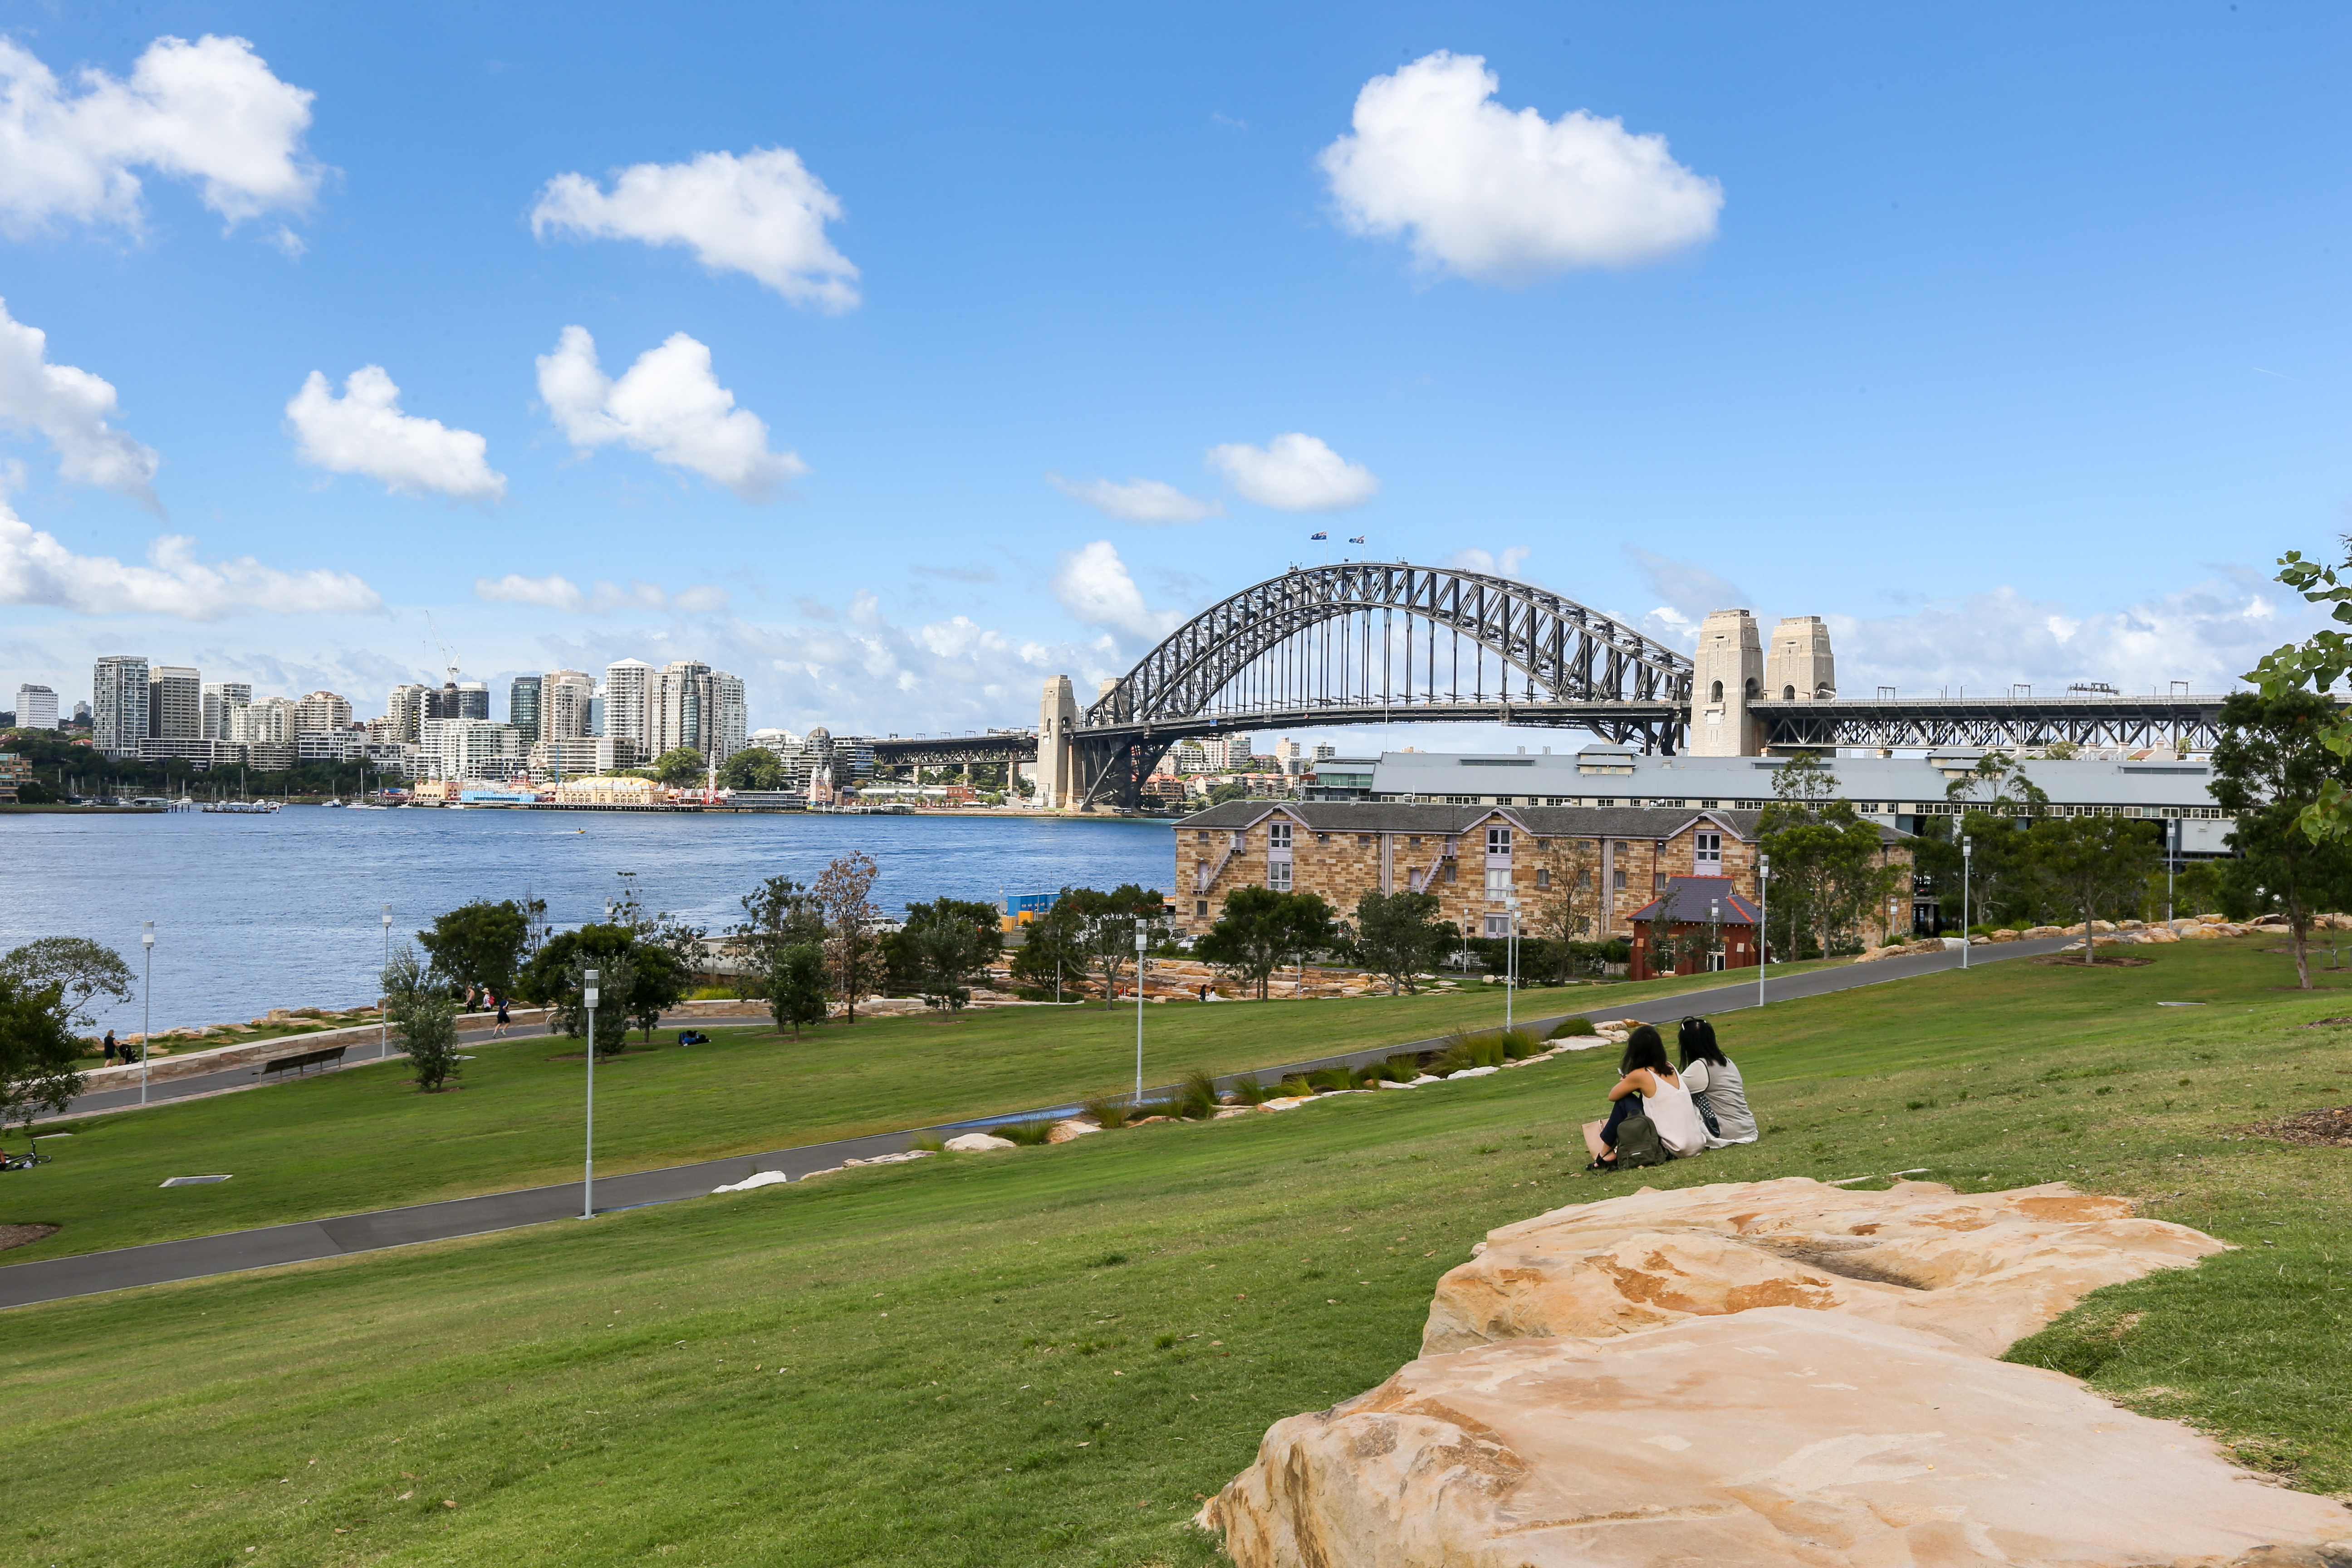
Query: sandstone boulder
point(1070, 1127)
point(1773, 1439)
point(1983, 1269)
point(978, 1143)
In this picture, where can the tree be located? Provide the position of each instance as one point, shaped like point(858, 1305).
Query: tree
point(37, 1051)
point(681, 767)
point(2271, 765)
point(1829, 867)
point(2318, 665)
point(86, 975)
point(1106, 927)
point(2097, 865)
point(1997, 784)
point(942, 945)
point(1053, 947)
point(796, 987)
point(779, 915)
point(479, 944)
point(842, 889)
point(1398, 935)
point(1260, 930)
point(554, 980)
point(753, 767)
point(419, 1004)
point(1563, 911)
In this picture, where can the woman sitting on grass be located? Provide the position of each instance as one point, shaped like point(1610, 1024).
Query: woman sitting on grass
point(1649, 1087)
point(1714, 1086)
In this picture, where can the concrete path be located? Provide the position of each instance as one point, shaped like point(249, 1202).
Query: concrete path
point(53, 1278)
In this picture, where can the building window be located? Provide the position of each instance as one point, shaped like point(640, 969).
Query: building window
point(1543, 879)
point(1498, 926)
point(1709, 804)
point(1507, 800)
point(1199, 908)
point(1449, 870)
point(1706, 853)
point(1277, 875)
point(1657, 881)
point(1498, 841)
point(1202, 834)
point(1322, 839)
point(1498, 881)
point(1278, 835)
point(1621, 882)
point(1363, 841)
point(1623, 847)
point(1715, 692)
point(1584, 879)
point(1413, 841)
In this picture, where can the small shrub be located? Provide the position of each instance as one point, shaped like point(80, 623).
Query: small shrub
point(1163, 1342)
point(1028, 1134)
point(1404, 1066)
point(1247, 1090)
point(931, 1143)
point(1518, 1044)
point(1574, 1029)
point(1296, 1087)
point(1330, 1079)
point(1197, 1097)
point(1107, 1113)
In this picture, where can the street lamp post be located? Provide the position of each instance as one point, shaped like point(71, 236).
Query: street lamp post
point(383, 1002)
point(1142, 939)
point(1968, 848)
point(2171, 864)
point(588, 1171)
point(1510, 960)
point(146, 1006)
point(1763, 920)
point(1714, 930)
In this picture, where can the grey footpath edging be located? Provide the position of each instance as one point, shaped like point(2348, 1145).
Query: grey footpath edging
point(164, 1262)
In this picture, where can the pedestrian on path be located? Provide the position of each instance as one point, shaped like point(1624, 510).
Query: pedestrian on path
point(500, 1031)
point(111, 1047)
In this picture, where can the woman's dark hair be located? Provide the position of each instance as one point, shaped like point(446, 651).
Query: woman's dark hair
point(1644, 1050)
point(1699, 1043)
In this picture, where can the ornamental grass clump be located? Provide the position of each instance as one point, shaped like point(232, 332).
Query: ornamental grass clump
point(1519, 1044)
point(1107, 1113)
point(1028, 1134)
point(1247, 1090)
point(1574, 1029)
point(1330, 1081)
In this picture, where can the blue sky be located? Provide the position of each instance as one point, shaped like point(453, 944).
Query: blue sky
point(2010, 340)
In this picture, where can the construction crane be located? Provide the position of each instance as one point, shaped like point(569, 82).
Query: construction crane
point(448, 661)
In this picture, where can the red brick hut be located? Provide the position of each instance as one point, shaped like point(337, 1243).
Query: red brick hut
point(1708, 925)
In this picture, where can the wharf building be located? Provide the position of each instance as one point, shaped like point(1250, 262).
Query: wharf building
point(1598, 868)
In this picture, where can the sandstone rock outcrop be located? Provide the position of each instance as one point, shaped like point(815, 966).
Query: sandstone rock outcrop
point(1772, 1438)
point(1983, 1269)
point(1765, 1374)
point(977, 1144)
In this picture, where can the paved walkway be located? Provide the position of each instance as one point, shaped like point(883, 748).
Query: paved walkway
point(52, 1278)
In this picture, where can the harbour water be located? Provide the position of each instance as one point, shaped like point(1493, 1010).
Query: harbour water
point(254, 913)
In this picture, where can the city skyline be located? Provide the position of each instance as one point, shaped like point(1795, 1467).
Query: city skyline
point(1883, 357)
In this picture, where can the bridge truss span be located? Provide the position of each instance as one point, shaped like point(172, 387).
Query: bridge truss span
point(1368, 642)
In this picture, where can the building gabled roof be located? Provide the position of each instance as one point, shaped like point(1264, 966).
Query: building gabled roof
point(1690, 897)
point(1542, 821)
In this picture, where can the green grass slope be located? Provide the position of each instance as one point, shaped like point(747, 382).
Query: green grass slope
point(366, 1139)
point(1045, 1356)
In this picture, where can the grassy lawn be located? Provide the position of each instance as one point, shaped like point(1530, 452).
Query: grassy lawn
point(338, 1143)
point(1045, 1356)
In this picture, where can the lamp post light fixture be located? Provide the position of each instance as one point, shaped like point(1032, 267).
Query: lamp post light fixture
point(1763, 920)
point(146, 1005)
point(1714, 931)
point(1510, 959)
point(1968, 848)
point(1142, 940)
point(588, 1171)
point(384, 1000)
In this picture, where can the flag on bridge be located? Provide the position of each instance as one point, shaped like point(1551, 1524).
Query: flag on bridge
point(1324, 535)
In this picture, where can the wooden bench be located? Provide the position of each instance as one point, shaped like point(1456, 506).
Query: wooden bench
point(300, 1064)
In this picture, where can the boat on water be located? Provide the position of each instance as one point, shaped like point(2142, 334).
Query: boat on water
point(243, 807)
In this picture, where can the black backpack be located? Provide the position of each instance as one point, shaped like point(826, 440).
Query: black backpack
point(1639, 1145)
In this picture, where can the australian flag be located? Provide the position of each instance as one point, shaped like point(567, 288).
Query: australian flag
point(1324, 535)
point(1356, 539)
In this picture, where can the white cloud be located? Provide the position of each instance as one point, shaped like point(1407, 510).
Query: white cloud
point(2208, 634)
point(1506, 564)
point(1295, 473)
point(208, 111)
point(1489, 194)
point(559, 593)
point(35, 569)
point(1137, 500)
point(1689, 588)
point(69, 407)
point(364, 432)
point(763, 214)
point(1095, 587)
point(669, 404)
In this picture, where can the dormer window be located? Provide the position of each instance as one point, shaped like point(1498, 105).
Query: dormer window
point(1278, 836)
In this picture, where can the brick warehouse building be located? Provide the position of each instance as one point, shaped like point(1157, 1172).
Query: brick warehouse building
point(1618, 858)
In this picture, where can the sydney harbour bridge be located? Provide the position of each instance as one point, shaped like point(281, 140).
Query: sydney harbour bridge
point(1379, 643)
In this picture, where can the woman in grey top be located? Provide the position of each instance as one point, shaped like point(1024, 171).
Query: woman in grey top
point(1714, 1082)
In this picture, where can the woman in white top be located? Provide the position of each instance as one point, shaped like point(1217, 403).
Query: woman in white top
point(1649, 1087)
point(1715, 1085)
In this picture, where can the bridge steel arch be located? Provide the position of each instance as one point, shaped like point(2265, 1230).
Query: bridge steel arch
point(1371, 642)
